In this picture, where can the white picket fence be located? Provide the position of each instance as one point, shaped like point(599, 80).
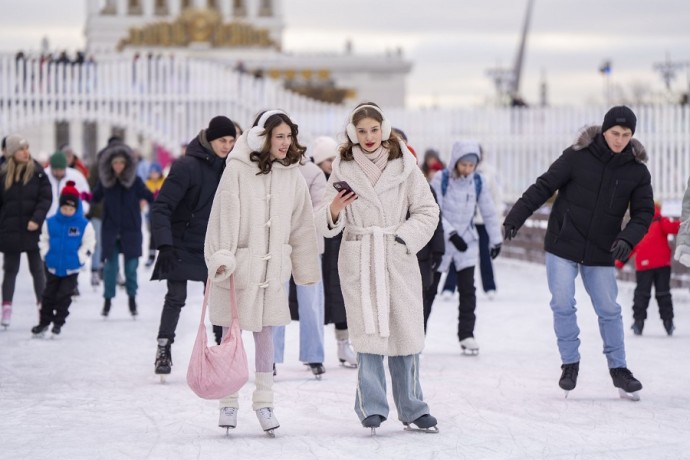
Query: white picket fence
point(168, 100)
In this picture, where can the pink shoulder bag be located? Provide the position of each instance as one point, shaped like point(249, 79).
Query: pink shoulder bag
point(221, 370)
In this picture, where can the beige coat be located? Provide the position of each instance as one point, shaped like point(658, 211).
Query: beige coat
point(261, 229)
point(380, 277)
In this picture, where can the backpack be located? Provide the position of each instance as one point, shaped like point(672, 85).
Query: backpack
point(477, 183)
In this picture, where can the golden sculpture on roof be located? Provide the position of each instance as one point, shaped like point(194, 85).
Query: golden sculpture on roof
point(199, 26)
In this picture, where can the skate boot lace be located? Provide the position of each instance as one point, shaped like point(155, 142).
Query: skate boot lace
point(265, 413)
point(163, 355)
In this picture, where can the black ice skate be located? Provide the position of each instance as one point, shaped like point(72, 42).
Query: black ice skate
point(668, 325)
point(106, 308)
point(425, 423)
point(55, 331)
point(133, 307)
point(163, 359)
point(569, 376)
point(317, 369)
point(637, 326)
point(39, 331)
point(628, 386)
point(373, 422)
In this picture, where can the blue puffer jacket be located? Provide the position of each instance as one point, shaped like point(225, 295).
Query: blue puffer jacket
point(65, 235)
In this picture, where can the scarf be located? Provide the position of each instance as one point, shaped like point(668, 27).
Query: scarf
point(372, 163)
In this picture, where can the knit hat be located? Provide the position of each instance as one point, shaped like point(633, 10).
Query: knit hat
point(220, 126)
point(324, 148)
point(155, 167)
point(69, 195)
point(58, 160)
point(619, 116)
point(14, 142)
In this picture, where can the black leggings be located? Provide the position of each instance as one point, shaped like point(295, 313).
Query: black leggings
point(11, 268)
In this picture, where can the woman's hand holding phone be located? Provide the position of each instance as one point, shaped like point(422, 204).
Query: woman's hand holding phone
point(343, 199)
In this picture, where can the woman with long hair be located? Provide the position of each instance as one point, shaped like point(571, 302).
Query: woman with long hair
point(261, 230)
point(25, 198)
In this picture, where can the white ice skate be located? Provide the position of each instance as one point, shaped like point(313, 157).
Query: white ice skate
point(227, 418)
point(268, 420)
point(469, 346)
point(6, 315)
point(632, 396)
point(346, 355)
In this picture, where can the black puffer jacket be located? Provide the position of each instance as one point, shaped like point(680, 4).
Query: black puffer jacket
point(595, 188)
point(18, 205)
point(179, 216)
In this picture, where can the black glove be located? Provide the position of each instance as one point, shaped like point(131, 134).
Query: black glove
point(167, 259)
point(621, 250)
point(509, 231)
point(436, 261)
point(458, 242)
point(495, 251)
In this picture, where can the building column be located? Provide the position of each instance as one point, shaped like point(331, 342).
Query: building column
point(225, 9)
point(174, 8)
point(121, 8)
point(252, 9)
point(102, 134)
point(147, 8)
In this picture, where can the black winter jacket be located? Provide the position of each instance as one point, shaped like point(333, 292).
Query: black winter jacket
point(595, 189)
point(18, 205)
point(434, 249)
point(179, 216)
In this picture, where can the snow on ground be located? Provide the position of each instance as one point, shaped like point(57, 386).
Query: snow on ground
point(92, 393)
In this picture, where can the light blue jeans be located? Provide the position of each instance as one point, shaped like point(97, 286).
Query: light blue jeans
point(310, 301)
point(371, 387)
point(600, 283)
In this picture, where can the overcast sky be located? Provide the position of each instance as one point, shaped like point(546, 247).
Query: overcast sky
point(452, 42)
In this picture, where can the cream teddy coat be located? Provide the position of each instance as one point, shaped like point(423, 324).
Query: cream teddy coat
point(261, 229)
point(380, 277)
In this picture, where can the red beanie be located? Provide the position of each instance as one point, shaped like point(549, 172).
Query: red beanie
point(69, 195)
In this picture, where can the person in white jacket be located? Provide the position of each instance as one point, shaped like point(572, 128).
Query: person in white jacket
point(387, 213)
point(682, 253)
point(59, 174)
point(261, 230)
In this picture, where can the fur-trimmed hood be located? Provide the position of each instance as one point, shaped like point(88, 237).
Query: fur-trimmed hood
point(105, 171)
point(587, 135)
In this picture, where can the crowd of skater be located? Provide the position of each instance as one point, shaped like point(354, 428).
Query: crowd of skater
point(357, 234)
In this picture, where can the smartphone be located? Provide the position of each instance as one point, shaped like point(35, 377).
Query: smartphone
point(342, 185)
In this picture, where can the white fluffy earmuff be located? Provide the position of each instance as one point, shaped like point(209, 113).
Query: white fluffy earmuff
point(257, 134)
point(385, 124)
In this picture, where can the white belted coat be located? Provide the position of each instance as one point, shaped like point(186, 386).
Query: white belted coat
point(380, 277)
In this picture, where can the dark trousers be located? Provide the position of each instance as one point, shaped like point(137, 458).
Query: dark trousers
point(468, 303)
point(486, 269)
point(11, 267)
point(429, 295)
point(451, 278)
point(175, 299)
point(57, 297)
point(661, 279)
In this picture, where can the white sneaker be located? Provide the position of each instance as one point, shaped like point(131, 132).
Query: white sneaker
point(346, 355)
point(267, 419)
point(469, 345)
point(446, 295)
point(228, 417)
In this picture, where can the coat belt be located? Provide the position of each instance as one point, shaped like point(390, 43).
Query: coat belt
point(374, 236)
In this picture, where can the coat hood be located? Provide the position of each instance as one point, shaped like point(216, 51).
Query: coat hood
point(462, 148)
point(105, 171)
point(589, 134)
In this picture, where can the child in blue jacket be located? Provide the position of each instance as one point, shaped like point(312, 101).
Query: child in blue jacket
point(67, 240)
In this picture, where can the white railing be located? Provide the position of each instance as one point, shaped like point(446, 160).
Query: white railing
point(168, 100)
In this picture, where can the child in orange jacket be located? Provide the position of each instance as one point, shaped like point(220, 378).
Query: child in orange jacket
point(653, 267)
